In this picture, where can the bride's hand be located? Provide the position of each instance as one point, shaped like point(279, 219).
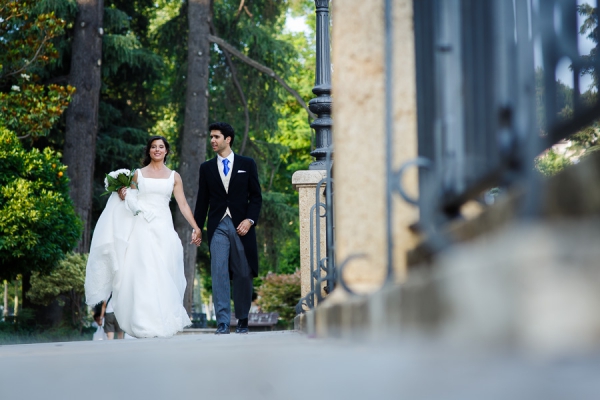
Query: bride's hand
point(122, 193)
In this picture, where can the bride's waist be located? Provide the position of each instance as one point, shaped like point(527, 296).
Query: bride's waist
point(154, 201)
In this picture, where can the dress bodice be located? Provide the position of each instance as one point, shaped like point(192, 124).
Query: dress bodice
point(155, 193)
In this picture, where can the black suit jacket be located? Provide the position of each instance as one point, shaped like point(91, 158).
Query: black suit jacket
point(244, 200)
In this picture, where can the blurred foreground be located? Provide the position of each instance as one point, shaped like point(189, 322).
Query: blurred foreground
point(286, 365)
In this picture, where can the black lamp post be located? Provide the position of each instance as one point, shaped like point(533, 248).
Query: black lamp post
point(321, 105)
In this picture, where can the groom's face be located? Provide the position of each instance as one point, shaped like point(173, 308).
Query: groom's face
point(218, 142)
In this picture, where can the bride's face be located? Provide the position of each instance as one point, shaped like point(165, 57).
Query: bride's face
point(158, 151)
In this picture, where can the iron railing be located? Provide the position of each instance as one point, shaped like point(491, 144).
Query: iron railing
point(322, 266)
point(476, 99)
point(477, 111)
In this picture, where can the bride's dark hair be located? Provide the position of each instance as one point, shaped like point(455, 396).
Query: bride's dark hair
point(147, 158)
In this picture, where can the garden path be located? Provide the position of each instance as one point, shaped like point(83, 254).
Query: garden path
point(285, 365)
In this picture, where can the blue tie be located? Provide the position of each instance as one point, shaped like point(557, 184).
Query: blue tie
point(225, 166)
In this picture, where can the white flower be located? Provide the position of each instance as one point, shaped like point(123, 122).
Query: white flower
point(118, 172)
point(105, 184)
point(25, 76)
point(16, 88)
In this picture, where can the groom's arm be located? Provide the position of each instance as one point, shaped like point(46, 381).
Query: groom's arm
point(254, 194)
point(202, 199)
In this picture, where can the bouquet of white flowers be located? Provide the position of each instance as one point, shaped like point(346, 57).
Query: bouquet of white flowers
point(115, 180)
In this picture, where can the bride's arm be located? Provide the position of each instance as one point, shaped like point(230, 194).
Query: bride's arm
point(184, 207)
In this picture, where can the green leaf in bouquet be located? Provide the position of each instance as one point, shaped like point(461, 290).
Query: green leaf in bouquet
point(111, 181)
point(123, 180)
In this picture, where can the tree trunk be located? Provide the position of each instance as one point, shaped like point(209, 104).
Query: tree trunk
point(193, 142)
point(82, 114)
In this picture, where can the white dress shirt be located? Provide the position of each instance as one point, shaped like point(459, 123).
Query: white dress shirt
point(225, 179)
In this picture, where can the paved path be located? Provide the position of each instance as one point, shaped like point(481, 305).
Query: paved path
point(283, 365)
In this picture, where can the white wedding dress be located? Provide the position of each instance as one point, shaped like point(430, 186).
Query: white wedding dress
point(140, 259)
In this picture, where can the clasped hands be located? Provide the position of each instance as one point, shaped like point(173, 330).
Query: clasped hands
point(196, 237)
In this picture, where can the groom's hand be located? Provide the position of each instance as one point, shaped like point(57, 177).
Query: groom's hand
point(243, 227)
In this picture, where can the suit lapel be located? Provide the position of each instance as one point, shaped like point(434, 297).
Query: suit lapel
point(215, 170)
point(236, 166)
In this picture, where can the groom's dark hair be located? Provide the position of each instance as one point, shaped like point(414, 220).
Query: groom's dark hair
point(225, 128)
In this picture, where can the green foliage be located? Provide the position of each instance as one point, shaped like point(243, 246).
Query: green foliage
point(277, 227)
point(67, 277)
point(551, 163)
point(591, 28)
point(564, 99)
point(24, 330)
point(38, 224)
point(280, 293)
point(32, 109)
point(289, 258)
point(28, 33)
point(66, 284)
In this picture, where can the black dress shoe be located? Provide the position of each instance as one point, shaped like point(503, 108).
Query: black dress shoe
point(222, 329)
point(242, 326)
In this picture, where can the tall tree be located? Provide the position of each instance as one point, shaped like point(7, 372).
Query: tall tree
point(82, 115)
point(192, 149)
point(253, 67)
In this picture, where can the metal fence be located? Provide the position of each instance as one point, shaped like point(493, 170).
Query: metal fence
point(476, 99)
point(477, 112)
point(322, 266)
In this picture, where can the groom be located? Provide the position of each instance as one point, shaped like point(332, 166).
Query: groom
point(229, 192)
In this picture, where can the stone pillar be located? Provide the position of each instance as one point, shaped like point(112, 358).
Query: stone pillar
point(305, 182)
point(359, 137)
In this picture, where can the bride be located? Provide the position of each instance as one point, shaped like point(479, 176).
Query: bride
point(137, 255)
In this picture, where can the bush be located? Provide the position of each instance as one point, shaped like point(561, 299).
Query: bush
point(551, 163)
point(65, 282)
point(280, 293)
point(38, 224)
point(21, 331)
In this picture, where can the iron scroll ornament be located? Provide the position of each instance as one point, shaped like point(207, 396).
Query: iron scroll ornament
point(340, 271)
point(419, 162)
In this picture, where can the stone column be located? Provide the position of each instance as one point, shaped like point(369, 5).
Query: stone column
point(359, 137)
point(305, 182)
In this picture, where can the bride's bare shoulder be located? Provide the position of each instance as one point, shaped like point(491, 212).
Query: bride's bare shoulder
point(135, 175)
point(176, 176)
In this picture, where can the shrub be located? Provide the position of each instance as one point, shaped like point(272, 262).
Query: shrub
point(280, 293)
point(38, 224)
point(65, 284)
